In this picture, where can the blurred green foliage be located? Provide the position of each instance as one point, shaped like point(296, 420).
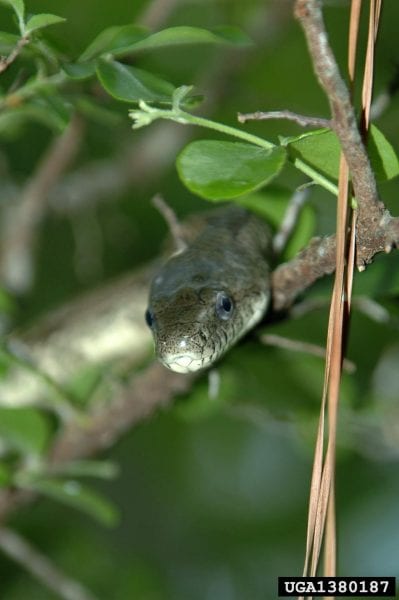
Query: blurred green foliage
point(213, 492)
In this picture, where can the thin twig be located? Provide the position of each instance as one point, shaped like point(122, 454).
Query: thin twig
point(302, 120)
point(41, 567)
point(6, 61)
point(290, 219)
point(172, 222)
point(24, 218)
point(279, 341)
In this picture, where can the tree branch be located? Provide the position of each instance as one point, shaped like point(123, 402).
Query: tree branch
point(377, 231)
point(6, 61)
point(143, 395)
point(302, 120)
point(41, 567)
point(25, 216)
point(292, 278)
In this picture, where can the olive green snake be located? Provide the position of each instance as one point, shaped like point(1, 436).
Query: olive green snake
point(207, 296)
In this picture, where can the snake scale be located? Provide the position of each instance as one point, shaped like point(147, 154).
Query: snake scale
point(207, 296)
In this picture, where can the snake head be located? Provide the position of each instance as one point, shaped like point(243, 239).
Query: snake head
point(192, 328)
point(207, 296)
point(195, 327)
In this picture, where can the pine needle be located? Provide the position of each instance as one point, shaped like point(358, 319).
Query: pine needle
point(321, 517)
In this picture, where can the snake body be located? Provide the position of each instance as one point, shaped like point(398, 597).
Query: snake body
point(206, 297)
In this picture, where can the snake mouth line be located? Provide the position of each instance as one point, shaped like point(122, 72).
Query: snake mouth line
point(185, 363)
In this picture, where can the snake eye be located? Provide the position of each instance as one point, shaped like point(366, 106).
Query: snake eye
point(224, 306)
point(149, 318)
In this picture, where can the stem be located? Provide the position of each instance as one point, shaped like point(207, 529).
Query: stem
point(41, 567)
point(238, 133)
point(8, 60)
point(302, 120)
point(147, 114)
point(315, 175)
point(254, 139)
point(30, 89)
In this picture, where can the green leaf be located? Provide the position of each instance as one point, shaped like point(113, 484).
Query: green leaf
point(8, 41)
point(19, 8)
point(79, 71)
point(42, 20)
point(321, 150)
point(73, 493)
point(114, 39)
point(12, 121)
point(25, 430)
point(382, 155)
point(124, 40)
point(131, 84)
point(219, 170)
point(60, 109)
point(183, 35)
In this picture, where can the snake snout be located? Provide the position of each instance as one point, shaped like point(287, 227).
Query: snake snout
point(183, 355)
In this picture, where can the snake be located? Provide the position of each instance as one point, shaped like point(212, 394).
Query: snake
point(207, 296)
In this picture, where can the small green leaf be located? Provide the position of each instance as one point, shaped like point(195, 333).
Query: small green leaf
point(19, 8)
point(79, 71)
point(382, 155)
point(42, 20)
point(25, 430)
point(321, 150)
point(131, 84)
point(120, 41)
point(219, 170)
point(12, 121)
point(114, 39)
point(73, 493)
point(8, 41)
point(58, 106)
point(183, 35)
